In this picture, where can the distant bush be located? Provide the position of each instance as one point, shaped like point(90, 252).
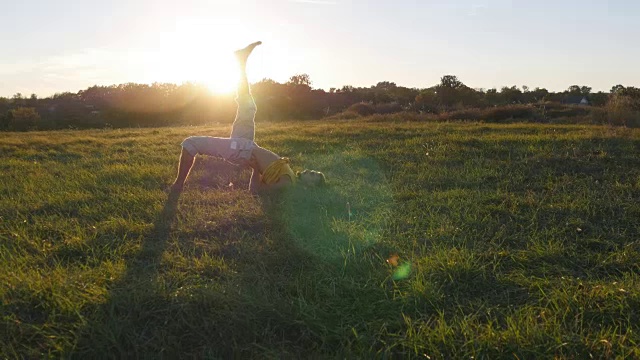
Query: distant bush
point(4, 122)
point(597, 116)
point(362, 108)
point(572, 114)
point(560, 114)
point(624, 110)
point(466, 114)
point(567, 111)
point(494, 114)
point(403, 116)
point(22, 119)
point(366, 109)
point(345, 115)
point(388, 108)
point(510, 112)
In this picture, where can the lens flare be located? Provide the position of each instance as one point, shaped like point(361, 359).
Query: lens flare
point(393, 260)
point(402, 272)
point(315, 218)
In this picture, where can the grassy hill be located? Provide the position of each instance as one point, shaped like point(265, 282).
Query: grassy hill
point(436, 240)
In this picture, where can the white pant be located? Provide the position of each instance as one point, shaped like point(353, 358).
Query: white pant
point(231, 149)
point(236, 147)
point(244, 125)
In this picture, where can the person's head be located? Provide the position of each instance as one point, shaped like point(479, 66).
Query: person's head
point(311, 177)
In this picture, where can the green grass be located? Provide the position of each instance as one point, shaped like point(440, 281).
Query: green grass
point(514, 241)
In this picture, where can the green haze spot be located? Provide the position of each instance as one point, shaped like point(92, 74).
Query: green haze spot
point(319, 220)
point(402, 272)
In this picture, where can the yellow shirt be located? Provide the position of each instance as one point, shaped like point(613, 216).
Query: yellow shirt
point(276, 169)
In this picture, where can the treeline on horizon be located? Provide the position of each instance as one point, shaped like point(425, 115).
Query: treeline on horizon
point(163, 104)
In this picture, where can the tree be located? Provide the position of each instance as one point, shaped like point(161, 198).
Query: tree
point(347, 89)
point(579, 90)
point(599, 99)
point(574, 90)
point(4, 121)
point(427, 100)
point(267, 88)
point(300, 79)
point(616, 88)
point(492, 97)
point(4, 104)
point(511, 95)
point(448, 90)
point(450, 81)
point(632, 93)
point(386, 85)
point(404, 96)
point(623, 107)
point(17, 99)
point(23, 118)
point(539, 94)
point(32, 101)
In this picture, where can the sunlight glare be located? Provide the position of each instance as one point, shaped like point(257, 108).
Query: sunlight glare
point(200, 52)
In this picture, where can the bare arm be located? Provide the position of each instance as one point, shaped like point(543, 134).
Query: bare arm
point(255, 184)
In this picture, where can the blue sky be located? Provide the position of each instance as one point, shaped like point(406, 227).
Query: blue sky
point(70, 45)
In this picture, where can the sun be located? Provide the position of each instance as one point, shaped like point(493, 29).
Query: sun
point(209, 66)
point(199, 53)
point(220, 74)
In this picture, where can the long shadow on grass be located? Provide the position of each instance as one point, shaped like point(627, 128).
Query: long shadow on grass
point(156, 309)
point(118, 327)
point(233, 298)
point(305, 276)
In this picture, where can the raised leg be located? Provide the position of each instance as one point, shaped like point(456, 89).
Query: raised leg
point(244, 125)
point(242, 56)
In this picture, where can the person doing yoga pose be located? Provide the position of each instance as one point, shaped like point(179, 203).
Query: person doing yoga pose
point(269, 170)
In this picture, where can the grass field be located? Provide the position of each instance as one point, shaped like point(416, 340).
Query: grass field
point(512, 241)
